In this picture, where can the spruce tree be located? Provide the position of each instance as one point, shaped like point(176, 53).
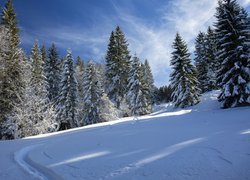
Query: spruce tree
point(53, 73)
point(34, 114)
point(79, 75)
point(201, 62)
point(38, 83)
point(232, 33)
point(211, 50)
point(138, 92)
point(9, 20)
point(38, 78)
point(79, 68)
point(164, 94)
point(183, 78)
point(92, 90)
point(205, 60)
point(67, 102)
point(117, 65)
point(44, 54)
point(149, 80)
point(11, 57)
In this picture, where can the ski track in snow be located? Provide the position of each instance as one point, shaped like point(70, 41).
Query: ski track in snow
point(36, 170)
point(164, 153)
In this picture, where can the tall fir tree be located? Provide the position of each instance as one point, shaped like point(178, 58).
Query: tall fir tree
point(201, 62)
point(79, 68)
point(34, 114)
point(38, 83)
point(44, 54)
point(53, 73)
point(149, 80)
point(10, 21)
point(117, 65)
point(38, 78)
point(232, 33)
point(67, 102)
point(93, 91)
point(183, 78)
point(11, 76)
point(211, 50)
point(205, 60)
point(138, 91)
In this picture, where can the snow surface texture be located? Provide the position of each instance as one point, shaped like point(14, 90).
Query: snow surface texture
point(202, 142)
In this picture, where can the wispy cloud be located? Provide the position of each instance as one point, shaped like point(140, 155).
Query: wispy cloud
point(245, 3)
point(154, 42)
point(148, 40)
point(70, 37)
point(187, 17)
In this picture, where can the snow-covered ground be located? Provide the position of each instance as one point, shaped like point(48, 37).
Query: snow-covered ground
point(202, 142)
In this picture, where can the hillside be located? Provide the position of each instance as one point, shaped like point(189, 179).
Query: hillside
point(202, 142)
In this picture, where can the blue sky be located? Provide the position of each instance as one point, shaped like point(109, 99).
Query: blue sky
point(85, 26)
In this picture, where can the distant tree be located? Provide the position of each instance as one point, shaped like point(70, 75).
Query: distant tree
point(232, 33)
point(67, 103)
point(93, 92)
point(53, 73)
point(164, 94)
point(117, 66)
point(138, 91)
point(183, 78)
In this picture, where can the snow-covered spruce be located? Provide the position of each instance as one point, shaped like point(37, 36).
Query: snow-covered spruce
point(149, 84)
point(232, 32)
point(200, 61)
point(38, 79)
point(92, 91)
point(138, 93)
point(67, 103)
point(117, 66)
point(53, 73)
point(11, 83)
point(205, 50)
point(34, 114)
point(183, 78)
point(211, 50)
point(79, 73)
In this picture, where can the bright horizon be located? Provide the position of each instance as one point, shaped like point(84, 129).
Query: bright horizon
point(85, 26)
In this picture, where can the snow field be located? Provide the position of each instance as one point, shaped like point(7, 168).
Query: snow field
point(202, 142)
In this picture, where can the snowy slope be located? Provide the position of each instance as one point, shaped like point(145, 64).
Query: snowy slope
point(202, 142)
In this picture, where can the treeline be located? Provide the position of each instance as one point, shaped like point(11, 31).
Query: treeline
point(221, 60)
point(44, 92)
